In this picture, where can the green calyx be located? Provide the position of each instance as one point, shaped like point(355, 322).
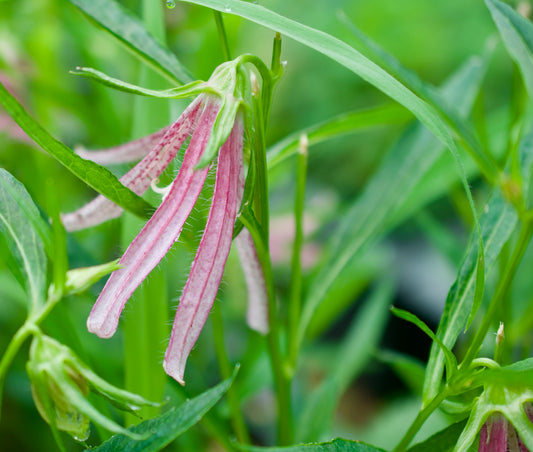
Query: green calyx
point(229, 82)
point(60, 385)
point(507, 391)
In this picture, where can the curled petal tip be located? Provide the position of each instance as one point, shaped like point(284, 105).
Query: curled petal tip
point(100, 329)
point(174, 373)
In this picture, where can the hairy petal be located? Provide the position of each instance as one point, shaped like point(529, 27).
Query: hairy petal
point(138, 178)
point(157, 236)
point(124, 153)
point(257, 313)
point(208, 266)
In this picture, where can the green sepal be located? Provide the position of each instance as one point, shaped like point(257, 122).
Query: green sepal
point(191, 89)
point(61, 384)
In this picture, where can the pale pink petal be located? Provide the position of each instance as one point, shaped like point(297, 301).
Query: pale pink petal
point(13, 130)
point(138, 178)
point(157, 236)
point(125, 153)
point(208, 266)
point(257, 313)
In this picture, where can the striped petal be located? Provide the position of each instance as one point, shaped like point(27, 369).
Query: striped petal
point(257, 313)
point(138, 178)
point(208, 266)
point(125, 153)
point(158, 235)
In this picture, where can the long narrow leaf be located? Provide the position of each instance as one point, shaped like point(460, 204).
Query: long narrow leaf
point(23, 228)
point(497, 223)
point(447, 110)
point(129, 30)
point(451, 361)
point(334, 127)
point(517, 35)
point(166, 428)
point(96, 176)
point(390, 188)
point(337, 445)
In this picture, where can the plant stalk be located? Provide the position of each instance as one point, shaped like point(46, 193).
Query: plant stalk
point(500, 294)
point(237, 419)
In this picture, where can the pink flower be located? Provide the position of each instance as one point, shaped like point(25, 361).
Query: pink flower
point(215, 123)
point(498, 435)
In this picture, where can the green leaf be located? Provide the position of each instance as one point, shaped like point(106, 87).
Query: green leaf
point(390, 188)
point(337, 445)
point(353, 356)
point(166, 428)
point(25, 233)
point(517, 35)
point(340, 52)
point(96, 176)
point(451, 361)
point(447, 110)
point(442, 441)
point(497, 224)
point(130, 31)
point(339, 125)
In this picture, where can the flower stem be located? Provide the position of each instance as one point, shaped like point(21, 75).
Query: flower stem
point(29, 327)
point(260, 235)
point(237, 420)
point(419, 420)
point(222, 35)
point(296, 265)
point(145, 330)
point(500, 295)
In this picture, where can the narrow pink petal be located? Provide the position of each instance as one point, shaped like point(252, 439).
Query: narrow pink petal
point(493, 436)
point(157, 236)
point(13, 130)
point(208, 266)
point(124, 153)
point(257, 313)
point(138, 178)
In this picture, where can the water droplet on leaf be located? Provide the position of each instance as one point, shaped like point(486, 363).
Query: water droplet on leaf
point(171, 4)
point(227, 9)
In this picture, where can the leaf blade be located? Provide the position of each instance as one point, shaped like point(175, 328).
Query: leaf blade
point(174, 421)
point(18, 220)
point(517, 35)
point(130, 31)
point(96, 176)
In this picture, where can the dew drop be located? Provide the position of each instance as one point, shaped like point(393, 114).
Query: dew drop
point(171, 4)
point(284, 64)
point(227, 9)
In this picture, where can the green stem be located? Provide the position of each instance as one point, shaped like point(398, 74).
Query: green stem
point(146, 325)
point(281, 378)
point(29, 327)
point(296, 264)
point(222, 35)
point(259, 232)
point(500, 294)
point(237, 420)
point(419, 420)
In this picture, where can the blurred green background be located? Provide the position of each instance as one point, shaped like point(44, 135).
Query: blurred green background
point(42, 40)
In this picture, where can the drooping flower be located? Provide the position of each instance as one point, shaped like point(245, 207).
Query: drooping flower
point(216, 122)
